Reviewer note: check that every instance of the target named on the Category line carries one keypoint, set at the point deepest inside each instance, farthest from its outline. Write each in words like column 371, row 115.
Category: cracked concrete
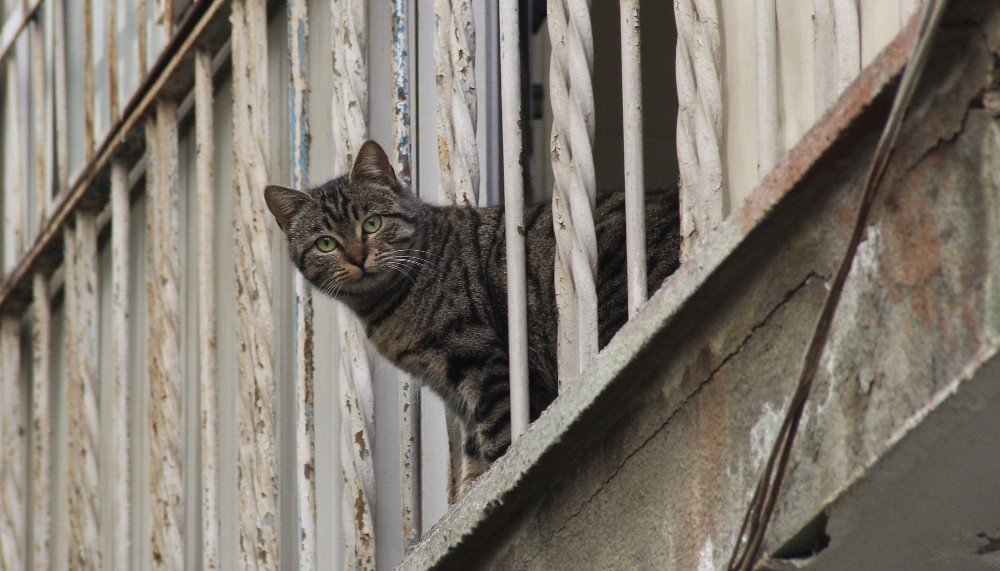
column 649, row 460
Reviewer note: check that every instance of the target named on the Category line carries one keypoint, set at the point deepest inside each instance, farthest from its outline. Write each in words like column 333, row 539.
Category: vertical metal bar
column 635, row 205
column 142, row 34
column 847, row 46
column 66, row 510
column 305, row 444
column 88, row 78
column 120, row 347
column 13, row 197
column 112, row 55
column 769, row 143
column 513, row 191
column 409, row 388
column 454, row 53
column 492, row 185
column 81, row 399
column 41, row 430
column 575, row 190
column 458, row 155
column 207, row 337
column 13, row 517
column 163, row 341
column 256, row 413
column 165, row 16
column 39, row 97
column 837, row 49
column 61, row 104
column 350, row 129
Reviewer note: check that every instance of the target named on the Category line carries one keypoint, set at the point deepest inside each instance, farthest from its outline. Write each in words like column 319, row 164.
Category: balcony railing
column 169, row 383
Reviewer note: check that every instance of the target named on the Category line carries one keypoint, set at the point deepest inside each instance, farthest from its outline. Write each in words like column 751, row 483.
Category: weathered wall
column 659, row 468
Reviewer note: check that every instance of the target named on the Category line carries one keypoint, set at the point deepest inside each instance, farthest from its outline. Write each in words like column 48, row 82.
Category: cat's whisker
column 401, row 272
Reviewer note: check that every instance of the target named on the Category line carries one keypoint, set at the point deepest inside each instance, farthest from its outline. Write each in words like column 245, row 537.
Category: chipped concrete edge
column 509, row 473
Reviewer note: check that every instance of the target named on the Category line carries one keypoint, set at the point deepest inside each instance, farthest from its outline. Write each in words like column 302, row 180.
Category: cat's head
column 355, row 235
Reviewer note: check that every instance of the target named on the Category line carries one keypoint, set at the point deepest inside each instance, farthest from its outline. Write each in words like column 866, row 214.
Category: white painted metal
column 699, row 117
column 163, row 285
column 84, row 504
column 769, row 142
column 256, row 413
column 13, row 450
column 837, row 49
column 350, row 121
column 40, row 99
column 409, row 388
column 635, row 206
column 61, row 96
column 88, row 80
column 142, row 38
column 41, row 423
column 305, row 451
column 120, row 512
column 111, row 57
column 458, row 154
column 204, row 118
column 457, row 105
column 575, row 190
column 513, row 188
column 14, row 177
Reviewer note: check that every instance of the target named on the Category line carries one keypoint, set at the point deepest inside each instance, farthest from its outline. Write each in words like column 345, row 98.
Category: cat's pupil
column 325, row 244
column 372, row 224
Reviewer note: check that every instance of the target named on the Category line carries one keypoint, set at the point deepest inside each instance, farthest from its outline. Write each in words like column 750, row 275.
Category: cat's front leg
column 490, row 430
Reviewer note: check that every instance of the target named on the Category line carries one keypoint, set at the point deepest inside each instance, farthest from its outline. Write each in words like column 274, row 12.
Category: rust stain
column 912, row 256
column 700, row 369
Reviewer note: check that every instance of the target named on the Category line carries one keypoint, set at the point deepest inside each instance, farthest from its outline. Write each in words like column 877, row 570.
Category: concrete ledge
column 651, row 456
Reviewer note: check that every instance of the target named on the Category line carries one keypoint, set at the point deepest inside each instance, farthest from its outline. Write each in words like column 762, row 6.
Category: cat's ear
column 284, row 202
column 373, row 164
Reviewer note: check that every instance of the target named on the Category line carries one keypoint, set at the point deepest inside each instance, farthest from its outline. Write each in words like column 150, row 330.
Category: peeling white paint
column 763, row 433
column 706, row 558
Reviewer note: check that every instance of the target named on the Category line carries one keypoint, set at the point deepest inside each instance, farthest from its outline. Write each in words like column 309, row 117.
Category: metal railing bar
column 40, row 98
column 256, row 412
column 61, row 115
column 88, row 79
column 575, row 185
column 41, row 424
column 142, row 35
column 349, row 22
column 513, row 189
column 120, row 348
column 163, row 342
column 13, row 451
column 635, row 205
column 769, row 140
column 207, row 336
column 13, row 231
column 409, row 388
column 112, row 57
column 81, row 401
column 304, row 405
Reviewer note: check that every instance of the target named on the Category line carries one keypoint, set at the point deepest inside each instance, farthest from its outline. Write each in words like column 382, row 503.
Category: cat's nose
column 356, row 255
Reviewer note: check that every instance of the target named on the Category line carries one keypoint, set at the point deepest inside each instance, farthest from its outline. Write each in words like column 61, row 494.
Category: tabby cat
column 429, row 283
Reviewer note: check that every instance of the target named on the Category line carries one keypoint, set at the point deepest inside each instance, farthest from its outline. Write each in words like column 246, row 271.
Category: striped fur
column 432, row 292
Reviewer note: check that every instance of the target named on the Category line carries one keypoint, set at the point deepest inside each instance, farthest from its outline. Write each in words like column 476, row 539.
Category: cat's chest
column 412, row 346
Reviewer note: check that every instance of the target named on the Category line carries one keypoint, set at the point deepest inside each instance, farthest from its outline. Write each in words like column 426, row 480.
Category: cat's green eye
column 371, row 224
column 326, row 244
